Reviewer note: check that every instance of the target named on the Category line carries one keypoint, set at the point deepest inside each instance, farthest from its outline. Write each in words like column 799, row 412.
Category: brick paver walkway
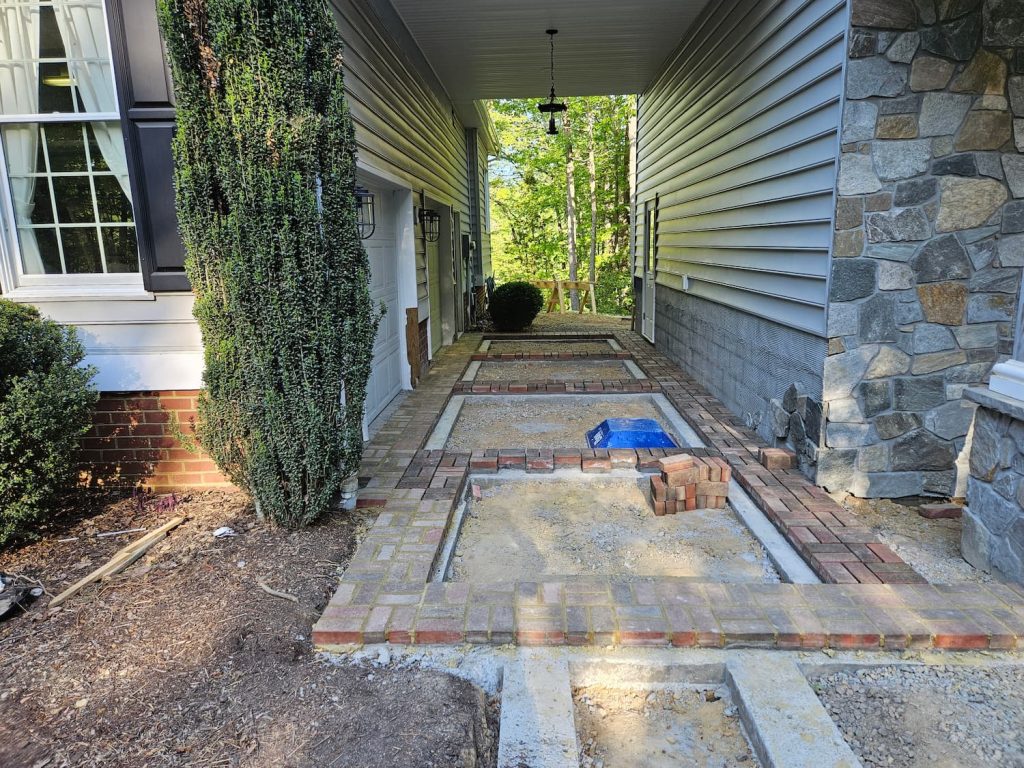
column 873, row 600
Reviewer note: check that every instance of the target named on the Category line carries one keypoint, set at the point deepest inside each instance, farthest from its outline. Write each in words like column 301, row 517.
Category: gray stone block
column 901, row 159
column 897, row 226
column 835, row 469
column 874, row 76
column 963, row 164
column 859, row 118
column 974, row 537
column 903, row 48
column 918, row 393
column 951, row 420
column 889, row 361
column 990, row 307
column 932, row 338
column 942, row 113
column 995, row 280
column 922, row 450
column 943, row 258
column 876, row 396
column 1013, row 167
column 977, row 336
column 915, row 192
column 857, row 175
column 878, row 319
column 957, row 39
column 993, row 510
column 1010, row 251
column 894, row 485
column 892, row 425
column 1004, row 22
column 1013, row 218
column 1015, row 85
column 852, row 279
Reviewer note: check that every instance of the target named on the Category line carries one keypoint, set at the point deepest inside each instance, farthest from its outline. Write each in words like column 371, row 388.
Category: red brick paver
column 873, row 599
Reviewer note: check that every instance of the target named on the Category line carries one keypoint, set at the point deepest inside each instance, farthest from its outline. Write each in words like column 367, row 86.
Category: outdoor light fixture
column 430, row 220
column 553, row 106
column 365, row 218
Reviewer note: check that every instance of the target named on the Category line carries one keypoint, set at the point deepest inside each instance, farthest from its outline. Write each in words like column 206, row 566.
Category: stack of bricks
column 687, row 483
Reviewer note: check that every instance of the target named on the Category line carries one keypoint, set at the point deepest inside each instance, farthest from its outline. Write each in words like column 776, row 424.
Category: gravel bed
column 917, row 716
column 932, row 547
column 543, row 370
column 545, row 346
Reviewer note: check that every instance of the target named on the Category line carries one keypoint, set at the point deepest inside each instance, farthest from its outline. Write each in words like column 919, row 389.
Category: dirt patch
column 929, row 716
column 540, row 421
column 522, row 529
column 184, row 661
column 542, row 370
column 548, row 346
column 659, row 729
column 932, row 547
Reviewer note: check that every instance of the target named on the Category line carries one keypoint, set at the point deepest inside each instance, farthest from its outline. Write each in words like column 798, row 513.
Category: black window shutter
column 147, row 115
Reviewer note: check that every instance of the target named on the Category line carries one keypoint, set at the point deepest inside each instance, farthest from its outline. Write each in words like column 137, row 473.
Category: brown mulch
column 182, row 660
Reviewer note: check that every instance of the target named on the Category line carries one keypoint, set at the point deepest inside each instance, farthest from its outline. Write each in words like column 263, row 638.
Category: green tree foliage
column 265, row 172
column 529, row 190
column 46, row 404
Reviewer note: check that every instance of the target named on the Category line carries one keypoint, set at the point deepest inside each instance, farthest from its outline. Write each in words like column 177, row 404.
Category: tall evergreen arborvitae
column 264, row 176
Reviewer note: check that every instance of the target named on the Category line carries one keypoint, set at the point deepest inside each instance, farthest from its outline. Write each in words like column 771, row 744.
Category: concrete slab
column 537, row 724
column 785, row 721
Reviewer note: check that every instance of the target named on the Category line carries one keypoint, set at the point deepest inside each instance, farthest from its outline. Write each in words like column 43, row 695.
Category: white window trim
column 14, row 283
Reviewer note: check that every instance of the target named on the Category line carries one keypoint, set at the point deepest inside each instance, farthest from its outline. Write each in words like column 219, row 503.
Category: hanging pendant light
column 553, row 106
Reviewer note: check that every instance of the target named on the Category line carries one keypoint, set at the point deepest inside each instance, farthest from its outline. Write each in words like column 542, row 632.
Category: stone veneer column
column 929, row 239
column 992, row 537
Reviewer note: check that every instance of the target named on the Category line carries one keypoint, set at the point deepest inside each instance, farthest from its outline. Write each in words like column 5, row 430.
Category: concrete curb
column 538, row 726
column 785, row 721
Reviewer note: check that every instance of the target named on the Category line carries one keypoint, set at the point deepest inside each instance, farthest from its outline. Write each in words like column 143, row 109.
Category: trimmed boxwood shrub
column 46, row 403
column 515, row 305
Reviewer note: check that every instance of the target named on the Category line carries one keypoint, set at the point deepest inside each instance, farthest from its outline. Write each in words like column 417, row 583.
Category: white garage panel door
column 386, row 376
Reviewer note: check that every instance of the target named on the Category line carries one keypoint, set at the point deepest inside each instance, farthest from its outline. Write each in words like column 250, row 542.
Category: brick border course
column 878, row 602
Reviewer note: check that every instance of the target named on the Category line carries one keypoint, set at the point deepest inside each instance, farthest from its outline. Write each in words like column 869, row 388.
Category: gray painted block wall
column 743, row 360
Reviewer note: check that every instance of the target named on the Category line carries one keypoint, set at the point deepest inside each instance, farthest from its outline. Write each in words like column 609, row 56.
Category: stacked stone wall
column 929, row 238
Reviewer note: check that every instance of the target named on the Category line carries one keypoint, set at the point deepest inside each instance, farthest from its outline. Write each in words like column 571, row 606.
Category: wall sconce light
column 366, row 218
column 430, row 220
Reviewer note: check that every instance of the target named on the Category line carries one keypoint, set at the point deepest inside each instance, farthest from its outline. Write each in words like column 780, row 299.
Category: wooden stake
column 121, row 560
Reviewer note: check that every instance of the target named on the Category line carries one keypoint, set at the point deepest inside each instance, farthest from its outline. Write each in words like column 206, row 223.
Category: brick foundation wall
column 135, row 441
column 424, row 348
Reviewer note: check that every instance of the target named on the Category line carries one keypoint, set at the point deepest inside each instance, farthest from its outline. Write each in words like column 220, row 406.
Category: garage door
column 386, row 376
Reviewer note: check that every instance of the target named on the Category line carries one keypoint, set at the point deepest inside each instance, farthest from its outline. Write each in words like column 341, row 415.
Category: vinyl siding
column 738, row 139
column 404, row 128
column 483, row 182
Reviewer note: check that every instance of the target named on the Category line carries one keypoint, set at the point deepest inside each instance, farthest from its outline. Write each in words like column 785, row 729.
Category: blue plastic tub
column 629, row 433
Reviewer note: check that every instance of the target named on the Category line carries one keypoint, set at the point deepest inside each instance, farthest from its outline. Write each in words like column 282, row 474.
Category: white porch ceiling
column 488, row 49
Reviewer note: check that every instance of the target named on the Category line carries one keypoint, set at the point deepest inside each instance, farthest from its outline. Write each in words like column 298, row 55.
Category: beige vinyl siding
column 738, row 140
column 403, row 127
column 485, row 217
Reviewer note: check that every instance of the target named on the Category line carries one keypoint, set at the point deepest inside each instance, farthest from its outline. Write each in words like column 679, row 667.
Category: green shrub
column 514, row 305
column 264, row 178
column 46, row 404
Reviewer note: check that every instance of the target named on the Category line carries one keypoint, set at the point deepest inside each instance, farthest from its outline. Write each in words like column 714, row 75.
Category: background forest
column 560, row 204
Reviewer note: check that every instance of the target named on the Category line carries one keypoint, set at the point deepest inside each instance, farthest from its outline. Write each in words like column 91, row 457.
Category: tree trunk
column 570, row 211
column 592, row 175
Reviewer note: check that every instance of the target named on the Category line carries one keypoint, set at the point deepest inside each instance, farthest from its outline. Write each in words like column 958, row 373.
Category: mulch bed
column 182, row 660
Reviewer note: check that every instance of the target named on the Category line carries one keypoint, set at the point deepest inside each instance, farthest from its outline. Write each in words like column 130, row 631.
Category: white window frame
column 17, row 285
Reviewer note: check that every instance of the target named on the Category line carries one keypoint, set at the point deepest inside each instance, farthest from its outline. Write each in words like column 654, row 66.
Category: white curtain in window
column 83, row 28
column 19, row 95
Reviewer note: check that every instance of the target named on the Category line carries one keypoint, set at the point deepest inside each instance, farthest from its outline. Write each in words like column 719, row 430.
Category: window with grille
column 68, row 208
